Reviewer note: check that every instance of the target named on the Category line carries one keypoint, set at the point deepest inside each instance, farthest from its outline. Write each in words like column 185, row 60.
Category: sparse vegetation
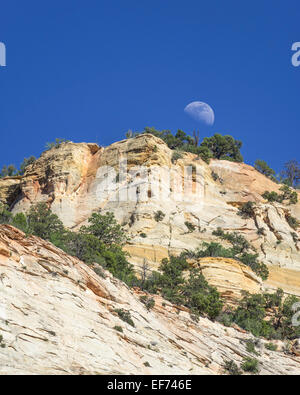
column 288, row 194
column 262, row 167
column 240, row 250
column 159, row 216
column 190, row 226
column 217, row 146
column 292, row 221
column 250, row 365
column 191, row 290
column 125, row 316
column 147, row 301
column 118, row 328
column 250, row 347
column 232, row 369
column 99, row 243
column 260, row 231
column 5, row 214
column 271, row 346
column 253, row 311
column 8, row 171
column 176, row 156
column 105, row 228
column 2, row 344
column 247, row 210
column 11, row 171
column 56, row 144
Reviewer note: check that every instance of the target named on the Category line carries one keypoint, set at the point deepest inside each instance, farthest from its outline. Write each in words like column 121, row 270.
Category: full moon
column 201, row 112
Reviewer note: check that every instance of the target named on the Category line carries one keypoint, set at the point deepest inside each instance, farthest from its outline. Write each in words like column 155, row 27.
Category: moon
column 201, row 112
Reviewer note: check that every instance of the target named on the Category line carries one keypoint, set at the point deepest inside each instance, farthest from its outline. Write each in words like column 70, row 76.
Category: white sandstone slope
column 57, row 317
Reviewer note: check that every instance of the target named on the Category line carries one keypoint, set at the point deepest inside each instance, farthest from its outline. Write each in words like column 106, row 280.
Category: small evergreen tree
column 262, row 167
column 105, row 228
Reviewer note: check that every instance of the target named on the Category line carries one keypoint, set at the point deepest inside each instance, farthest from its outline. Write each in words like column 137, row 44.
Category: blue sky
column 91, row 70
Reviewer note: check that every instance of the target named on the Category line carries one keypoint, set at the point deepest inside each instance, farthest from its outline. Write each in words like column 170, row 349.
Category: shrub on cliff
column 262, row 167
column 217, row 146
column 200, row 297
column 90, row 249
column 105, row 228
column 240, row 251
column 292, row 221
column 5, row 214
column 223, row 147
column 288, row 194
column 159, row 216
column 56, row 144
column 8, row 171
column 247, row 210
column 190, row 290
column 42, row 222
column 26, row 162
column 20, row 222
column 251, row 315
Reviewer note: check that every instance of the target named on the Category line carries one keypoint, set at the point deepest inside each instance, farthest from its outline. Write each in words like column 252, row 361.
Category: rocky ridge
column 71, row 177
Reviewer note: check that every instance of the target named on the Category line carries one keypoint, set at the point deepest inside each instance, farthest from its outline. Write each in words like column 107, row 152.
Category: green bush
column 87, row 244
column 118, row 328
column 232, row 368
column 223, row 147
column 159, row 216
column 105, row 228
column 148, row 302
column 176, row 156
column 251, row 315
column 190, row 226
column 263, row 168
column 239, row 251
column 250, row 365
column 5, row 214
column 56, row 144
column 125, row 316
column 271, row 346
column 26, row 162
column 191, row 290
column 292, row 221
column 8, row 171
column 42, row 222
column 272, row 196
column 250, row 347
column 288, row 194
column 239, row 243
column 247, row 210
column 200, row 297
column 20, row 222
column 217, row 146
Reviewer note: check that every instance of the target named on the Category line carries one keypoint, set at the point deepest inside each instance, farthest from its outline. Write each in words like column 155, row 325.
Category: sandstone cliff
column 71, row 179
column 57, row 316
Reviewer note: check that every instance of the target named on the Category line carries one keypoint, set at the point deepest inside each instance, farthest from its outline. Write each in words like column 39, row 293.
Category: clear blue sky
column 87, row 70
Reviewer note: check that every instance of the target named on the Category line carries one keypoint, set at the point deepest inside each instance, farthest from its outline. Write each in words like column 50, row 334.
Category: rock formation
column 73, row 180
column 57, row 316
